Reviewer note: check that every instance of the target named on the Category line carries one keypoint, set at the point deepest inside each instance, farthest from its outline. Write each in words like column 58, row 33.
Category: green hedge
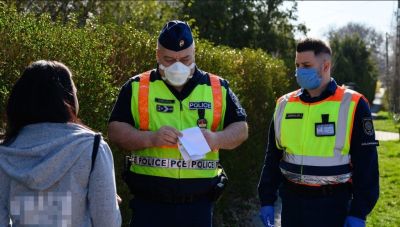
column 103, row 57
column 86, row 51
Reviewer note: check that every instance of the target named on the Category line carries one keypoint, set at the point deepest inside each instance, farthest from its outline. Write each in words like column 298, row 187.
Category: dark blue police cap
column 176, row 35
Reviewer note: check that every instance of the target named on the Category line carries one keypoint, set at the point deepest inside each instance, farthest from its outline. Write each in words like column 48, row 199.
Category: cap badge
column 181, row 43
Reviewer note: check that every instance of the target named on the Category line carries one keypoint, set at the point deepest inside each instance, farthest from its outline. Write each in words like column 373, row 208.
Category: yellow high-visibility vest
column 316, row 137
column 153, row 105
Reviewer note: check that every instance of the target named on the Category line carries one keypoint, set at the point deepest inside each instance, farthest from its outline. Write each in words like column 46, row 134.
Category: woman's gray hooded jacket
column 45, row 179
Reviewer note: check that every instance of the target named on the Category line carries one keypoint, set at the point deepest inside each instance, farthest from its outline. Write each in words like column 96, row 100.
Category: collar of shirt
column 330, row 90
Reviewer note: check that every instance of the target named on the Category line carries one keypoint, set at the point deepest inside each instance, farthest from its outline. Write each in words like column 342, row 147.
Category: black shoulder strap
column 95, row 149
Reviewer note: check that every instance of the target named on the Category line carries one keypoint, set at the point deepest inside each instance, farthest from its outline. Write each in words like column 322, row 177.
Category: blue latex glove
column 267, row 215
column 354, row 222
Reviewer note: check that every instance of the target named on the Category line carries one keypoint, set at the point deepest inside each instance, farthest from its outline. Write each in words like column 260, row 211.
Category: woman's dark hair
column 44, row 93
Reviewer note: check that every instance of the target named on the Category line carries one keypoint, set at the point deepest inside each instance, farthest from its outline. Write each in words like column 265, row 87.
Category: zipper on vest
column 180, row 128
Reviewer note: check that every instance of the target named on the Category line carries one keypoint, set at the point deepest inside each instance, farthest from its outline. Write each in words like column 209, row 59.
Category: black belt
column 171, row 198
column 323, row 190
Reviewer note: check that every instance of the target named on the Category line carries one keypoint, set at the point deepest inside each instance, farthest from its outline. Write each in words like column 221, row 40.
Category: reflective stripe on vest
column 167, row 161
column 217, row 96
column 174, row 163
column 314, row 180
column 339, row 155
column 144, row 101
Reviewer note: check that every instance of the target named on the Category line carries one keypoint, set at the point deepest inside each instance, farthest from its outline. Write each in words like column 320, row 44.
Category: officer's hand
column 211, row 138
column 354, row 222
column 165, row 136
column 267, row 216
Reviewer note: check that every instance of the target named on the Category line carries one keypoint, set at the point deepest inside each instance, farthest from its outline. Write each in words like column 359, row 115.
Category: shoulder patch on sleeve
column 368, row 126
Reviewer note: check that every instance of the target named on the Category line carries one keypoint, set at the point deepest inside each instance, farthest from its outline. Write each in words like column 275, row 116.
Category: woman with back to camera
column 53, row 171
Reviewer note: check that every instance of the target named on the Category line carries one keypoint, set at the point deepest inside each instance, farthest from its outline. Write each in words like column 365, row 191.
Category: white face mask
column 178, row 73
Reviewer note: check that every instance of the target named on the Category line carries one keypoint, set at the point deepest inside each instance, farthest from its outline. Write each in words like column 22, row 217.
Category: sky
column 319, row 16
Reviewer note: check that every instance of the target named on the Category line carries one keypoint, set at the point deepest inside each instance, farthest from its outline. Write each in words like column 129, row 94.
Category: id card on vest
column 325, row 129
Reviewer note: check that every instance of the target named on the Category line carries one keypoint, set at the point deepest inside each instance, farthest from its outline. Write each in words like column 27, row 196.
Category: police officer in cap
column 151, row 110
column 321, row 151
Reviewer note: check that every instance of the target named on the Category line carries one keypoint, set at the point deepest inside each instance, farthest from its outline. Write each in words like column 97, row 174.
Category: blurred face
column 321, row 63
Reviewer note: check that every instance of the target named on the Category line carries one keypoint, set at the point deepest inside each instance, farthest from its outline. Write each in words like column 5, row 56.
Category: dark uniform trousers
column 314, row 211
column 153, row 214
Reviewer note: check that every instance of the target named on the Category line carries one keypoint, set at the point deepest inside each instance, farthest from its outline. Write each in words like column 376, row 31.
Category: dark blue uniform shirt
column 364, row 160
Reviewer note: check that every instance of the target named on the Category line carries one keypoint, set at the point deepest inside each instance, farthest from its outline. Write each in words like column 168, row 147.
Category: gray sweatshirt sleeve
column 4, row 200
column 103, row 206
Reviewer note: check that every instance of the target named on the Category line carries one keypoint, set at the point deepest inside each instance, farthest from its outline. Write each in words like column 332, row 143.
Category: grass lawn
column 387, row 210
column 384, row 122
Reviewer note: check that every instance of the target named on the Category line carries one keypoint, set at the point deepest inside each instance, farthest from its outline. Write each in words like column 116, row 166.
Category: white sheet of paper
column 183, row 151
column 194, row 144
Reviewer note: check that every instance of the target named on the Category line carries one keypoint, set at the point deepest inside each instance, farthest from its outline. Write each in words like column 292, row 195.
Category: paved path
column 377, row 103
column 385, row 136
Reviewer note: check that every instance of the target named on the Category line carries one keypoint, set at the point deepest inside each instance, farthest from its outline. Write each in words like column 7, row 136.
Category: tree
column 63, row 10
column 149, row 16
column 353, row 64
column 372, row 39
column 144, row 15
column 247, row 23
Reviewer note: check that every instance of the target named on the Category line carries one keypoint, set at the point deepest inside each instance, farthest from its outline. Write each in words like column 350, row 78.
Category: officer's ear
column 326, row 63
column 326, row 66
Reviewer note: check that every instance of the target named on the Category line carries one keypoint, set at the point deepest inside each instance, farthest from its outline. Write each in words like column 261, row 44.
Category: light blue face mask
column 308, row 78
